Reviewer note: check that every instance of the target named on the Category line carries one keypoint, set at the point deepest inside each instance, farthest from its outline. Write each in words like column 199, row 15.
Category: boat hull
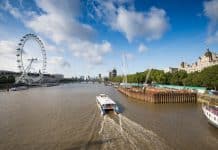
column 101, row 110
column 211, row 117
column 18, row 88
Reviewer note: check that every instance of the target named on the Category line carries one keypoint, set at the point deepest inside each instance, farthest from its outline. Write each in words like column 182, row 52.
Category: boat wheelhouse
column 105, row 104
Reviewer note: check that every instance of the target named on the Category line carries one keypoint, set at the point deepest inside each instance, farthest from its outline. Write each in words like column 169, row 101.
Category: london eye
column 25, row 68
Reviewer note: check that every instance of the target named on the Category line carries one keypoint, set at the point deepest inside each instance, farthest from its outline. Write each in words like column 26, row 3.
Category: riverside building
column 113, row 73
column 208, row 59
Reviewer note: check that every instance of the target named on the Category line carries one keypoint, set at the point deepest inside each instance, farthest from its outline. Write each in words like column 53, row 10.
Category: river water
column 67, row 117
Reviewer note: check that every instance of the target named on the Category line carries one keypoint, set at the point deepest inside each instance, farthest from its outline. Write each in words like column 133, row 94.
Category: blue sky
column 90, row 37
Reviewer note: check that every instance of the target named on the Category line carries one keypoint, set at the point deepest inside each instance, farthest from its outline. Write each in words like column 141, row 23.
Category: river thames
column 67, row 117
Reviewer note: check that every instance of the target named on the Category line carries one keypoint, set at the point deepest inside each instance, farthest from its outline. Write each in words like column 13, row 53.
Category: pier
column 160, row 96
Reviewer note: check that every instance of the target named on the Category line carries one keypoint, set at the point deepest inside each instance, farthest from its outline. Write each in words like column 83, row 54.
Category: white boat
column 211, row 112
column 19, row 88
column 105, row 104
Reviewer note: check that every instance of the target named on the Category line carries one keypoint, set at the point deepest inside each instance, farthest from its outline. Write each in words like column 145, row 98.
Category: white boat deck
column 105, row 103
column 105, row 100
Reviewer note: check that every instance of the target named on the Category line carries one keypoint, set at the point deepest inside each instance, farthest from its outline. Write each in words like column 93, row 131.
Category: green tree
column 178, row 77
column 3, row 79
column 11, row 79
column 207, row 77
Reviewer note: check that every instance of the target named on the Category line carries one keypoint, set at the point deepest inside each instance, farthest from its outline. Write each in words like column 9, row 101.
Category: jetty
column 160, row 96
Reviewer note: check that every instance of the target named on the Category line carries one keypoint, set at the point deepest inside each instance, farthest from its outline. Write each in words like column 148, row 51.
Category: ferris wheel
column 25, row 68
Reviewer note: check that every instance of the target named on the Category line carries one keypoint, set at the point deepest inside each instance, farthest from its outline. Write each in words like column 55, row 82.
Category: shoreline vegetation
column 6, row 82
column 206, row 78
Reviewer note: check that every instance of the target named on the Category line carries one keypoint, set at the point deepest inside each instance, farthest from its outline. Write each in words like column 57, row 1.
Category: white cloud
column 51, row 47
column 7, row 48
column 210, row 10
column 142, row 48
column 91, row 52
column 58, row 64
column 59, row 23
column 213, row 38
column 150, row 25
column 8, row 62
column 13, row 11
column 59, row 28
column 8, row 55
column 57, row 60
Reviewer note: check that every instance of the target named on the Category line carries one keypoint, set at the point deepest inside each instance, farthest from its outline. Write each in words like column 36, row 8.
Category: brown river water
column 67, row 117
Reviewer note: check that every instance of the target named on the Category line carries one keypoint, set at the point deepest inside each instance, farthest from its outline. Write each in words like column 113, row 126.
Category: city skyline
column 90, row 37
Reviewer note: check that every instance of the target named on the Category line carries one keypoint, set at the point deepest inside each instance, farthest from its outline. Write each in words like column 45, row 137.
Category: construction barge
column 160, row 96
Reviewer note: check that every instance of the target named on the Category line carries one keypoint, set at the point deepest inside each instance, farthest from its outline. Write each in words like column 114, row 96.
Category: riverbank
column 7, row 87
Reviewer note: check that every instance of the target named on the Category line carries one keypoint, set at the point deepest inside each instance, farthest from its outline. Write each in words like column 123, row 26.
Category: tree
column 168, row 77
column 178, row 77
column 207, row 77
column 3, row 79
column 11, row 79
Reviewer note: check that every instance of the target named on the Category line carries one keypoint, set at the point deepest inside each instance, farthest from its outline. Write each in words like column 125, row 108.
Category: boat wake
column 122, row 133
column 102, row 126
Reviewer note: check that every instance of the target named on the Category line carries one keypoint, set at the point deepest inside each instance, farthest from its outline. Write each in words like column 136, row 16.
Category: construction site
column 159, row 95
